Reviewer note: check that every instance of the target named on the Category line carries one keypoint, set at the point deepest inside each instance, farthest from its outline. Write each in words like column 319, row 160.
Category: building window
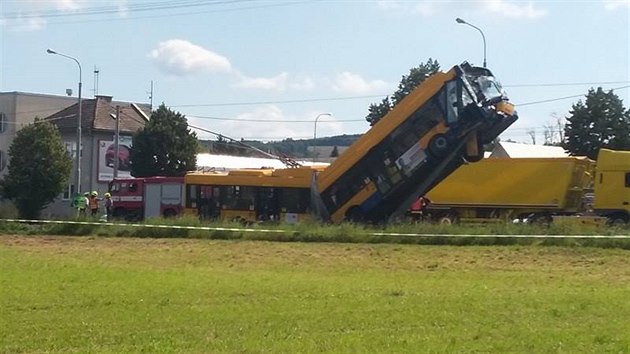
column 3, row 122
column 68, row 192
column 3, row 161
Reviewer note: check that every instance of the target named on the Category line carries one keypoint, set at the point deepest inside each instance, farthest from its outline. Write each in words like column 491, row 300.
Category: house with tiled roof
column 98, row 156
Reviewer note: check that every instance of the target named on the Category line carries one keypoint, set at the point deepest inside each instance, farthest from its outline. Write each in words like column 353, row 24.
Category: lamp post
column 78, row 154
column 315, row 133
column 459, row 20
column 117, row 142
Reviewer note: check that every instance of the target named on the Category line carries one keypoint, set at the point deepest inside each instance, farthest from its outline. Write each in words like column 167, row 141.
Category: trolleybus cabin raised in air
column 440, row 124
column 251, row 195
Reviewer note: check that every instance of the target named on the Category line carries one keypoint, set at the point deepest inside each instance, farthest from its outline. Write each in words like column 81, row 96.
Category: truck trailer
column 535, row 189
column 505, row 189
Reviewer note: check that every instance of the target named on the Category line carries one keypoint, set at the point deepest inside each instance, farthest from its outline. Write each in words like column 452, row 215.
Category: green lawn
column 96, row 294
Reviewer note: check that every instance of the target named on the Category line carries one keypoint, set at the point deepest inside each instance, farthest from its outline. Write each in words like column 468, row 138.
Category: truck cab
column 612, row 186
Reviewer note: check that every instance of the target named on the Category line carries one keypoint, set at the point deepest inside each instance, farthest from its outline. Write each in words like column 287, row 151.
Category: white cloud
column 270, row 122
column 30, row 20
column 264, row 122
column 180, row 57
column 511, row 10
column 278, row 82
column 351, row 83
column 68, row 5
column 302, row 84
column 21, row 24
column 615, row 4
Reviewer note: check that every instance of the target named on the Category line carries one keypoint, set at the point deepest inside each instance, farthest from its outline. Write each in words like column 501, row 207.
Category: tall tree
column 416, row 76
column 164, row 147
column 39, row 169
column 600, row 121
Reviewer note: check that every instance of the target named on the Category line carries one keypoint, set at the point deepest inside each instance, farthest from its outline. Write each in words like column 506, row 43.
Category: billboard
column 107, row 156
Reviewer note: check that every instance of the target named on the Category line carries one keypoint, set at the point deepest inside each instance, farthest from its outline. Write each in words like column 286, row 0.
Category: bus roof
column 287, row 177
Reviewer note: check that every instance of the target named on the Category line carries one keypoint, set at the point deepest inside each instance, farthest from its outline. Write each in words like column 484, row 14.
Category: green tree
column 600, row 121
column 416, row 76
column 164, row 147
column 39, row 169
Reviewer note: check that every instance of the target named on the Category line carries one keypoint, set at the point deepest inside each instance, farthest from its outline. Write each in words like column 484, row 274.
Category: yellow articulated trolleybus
column 441, row 124
column 250, row 195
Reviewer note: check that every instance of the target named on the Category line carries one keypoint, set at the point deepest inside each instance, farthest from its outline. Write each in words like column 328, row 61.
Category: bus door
column 267, row 204
column 207, row 202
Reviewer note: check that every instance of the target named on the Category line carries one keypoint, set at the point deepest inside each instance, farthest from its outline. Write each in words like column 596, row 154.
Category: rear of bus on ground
column 250, row 195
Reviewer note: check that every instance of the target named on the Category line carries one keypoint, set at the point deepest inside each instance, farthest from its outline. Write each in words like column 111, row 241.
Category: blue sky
column 265, row 69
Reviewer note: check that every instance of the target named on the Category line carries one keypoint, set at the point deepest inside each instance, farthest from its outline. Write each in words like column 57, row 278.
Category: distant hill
column 287, row 147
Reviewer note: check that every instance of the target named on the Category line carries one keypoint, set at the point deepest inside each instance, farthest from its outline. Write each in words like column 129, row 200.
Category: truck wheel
column 541, row 219
column 447, row 220
column 438, row 145
column 617, row 220
column 169, row 213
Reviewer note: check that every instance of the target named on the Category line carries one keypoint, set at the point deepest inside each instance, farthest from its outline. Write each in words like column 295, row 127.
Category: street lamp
column 459, row 20
column 315, row 133
column 78, row 156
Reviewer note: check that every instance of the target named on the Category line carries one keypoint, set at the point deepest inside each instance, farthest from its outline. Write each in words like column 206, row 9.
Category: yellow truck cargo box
column 554, row 184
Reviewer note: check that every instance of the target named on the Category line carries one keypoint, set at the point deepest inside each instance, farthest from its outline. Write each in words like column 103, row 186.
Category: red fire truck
column 141, row 198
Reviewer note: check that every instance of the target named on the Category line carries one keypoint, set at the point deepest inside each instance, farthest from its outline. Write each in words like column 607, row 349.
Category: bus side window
column 628, row 179
column 451, row 101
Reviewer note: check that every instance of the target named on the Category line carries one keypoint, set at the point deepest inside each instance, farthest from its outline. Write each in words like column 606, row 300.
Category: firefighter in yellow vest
column 93, row 203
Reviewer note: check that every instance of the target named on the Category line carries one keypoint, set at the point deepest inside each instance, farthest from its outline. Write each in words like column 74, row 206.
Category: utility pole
column 117, row 142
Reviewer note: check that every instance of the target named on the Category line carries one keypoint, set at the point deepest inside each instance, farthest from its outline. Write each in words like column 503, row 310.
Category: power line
column 174, row 14
column 272, row 120
column 569, row 84
column 104, row 10
column 344, row 98
column 252, row 103
column 563, row 98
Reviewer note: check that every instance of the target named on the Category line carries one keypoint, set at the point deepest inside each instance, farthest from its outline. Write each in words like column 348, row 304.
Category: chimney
column 107, row 99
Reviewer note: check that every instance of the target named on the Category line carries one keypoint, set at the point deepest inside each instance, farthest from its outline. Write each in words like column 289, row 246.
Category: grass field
column 121, row 295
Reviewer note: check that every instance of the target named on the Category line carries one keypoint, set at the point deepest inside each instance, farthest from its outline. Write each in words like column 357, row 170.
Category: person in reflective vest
column 80, row 202
column 93, row 202
column 108, row 205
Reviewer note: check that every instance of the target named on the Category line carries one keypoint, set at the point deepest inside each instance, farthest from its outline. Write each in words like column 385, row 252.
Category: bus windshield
column 485, row 86
column 490, row 89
